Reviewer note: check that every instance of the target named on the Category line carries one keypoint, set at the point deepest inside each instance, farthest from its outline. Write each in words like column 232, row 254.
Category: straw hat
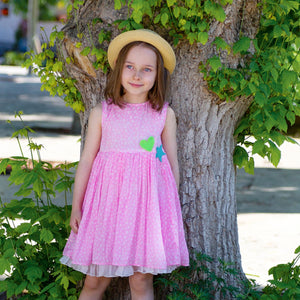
column 143, row 35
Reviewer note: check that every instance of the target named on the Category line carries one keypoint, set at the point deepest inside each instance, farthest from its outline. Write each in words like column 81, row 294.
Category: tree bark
column 205, row 129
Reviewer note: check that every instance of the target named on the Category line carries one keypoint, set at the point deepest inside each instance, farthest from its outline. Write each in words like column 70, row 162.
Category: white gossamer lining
column 113, row 271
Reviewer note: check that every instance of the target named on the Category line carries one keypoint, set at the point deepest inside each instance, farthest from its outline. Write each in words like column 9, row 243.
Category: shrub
column 34, row 230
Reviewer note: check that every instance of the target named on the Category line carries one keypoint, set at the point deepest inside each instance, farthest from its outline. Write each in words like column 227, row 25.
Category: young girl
column 126, row 217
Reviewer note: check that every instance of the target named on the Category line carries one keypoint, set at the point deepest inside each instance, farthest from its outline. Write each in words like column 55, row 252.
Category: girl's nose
column 137, row 75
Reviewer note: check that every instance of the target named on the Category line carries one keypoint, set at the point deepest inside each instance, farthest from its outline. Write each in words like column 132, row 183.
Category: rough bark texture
column 205, row 129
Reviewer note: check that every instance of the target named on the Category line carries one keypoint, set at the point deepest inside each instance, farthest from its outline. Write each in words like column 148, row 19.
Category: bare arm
column 88, row 155
column 169, row 142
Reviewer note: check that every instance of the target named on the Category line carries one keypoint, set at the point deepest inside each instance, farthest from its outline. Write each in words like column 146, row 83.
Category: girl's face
column 139, row 74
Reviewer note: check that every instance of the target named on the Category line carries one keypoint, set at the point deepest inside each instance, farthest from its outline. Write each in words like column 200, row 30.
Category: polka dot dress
column 131, row 215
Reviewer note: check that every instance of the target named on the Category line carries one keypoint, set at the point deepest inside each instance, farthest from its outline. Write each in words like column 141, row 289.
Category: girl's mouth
column 135, row 85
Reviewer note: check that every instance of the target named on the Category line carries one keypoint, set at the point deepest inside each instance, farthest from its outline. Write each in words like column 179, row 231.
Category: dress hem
column 113, row 270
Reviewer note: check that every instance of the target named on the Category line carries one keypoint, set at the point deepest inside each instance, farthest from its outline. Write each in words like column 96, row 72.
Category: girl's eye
column 147, row 70
column 130, row 67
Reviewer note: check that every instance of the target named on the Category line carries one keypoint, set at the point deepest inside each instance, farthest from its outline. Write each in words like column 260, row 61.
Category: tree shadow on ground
column 269, row 190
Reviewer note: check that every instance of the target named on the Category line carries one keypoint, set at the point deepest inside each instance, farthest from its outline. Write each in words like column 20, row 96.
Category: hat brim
column 146, row 36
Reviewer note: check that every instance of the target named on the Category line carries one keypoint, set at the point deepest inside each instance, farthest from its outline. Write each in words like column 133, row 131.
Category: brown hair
column 114, row 90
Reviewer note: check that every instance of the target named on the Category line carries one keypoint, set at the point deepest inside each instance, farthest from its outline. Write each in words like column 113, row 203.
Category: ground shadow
column 269, row 190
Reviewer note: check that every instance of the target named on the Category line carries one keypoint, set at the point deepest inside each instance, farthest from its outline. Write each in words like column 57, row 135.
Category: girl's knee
column 96, row 283
column 140, row 281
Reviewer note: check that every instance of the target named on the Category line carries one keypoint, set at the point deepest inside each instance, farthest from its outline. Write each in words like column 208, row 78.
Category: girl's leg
column 94, row 288
column 141, row 286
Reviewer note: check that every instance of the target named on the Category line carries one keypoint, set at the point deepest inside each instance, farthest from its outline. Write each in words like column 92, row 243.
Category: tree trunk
column 205, row 130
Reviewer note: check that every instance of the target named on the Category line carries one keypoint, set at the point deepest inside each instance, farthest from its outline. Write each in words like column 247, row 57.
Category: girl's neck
column 132, row 100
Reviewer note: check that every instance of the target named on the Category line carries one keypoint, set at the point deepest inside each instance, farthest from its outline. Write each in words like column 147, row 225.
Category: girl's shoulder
column 96, row 113
column 170, row 112
column 98, row 107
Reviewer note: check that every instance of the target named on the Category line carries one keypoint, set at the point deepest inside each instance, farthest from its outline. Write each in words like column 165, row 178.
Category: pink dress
column 131, row 215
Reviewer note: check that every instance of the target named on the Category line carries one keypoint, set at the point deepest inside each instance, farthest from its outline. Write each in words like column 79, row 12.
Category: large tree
column 236, row 75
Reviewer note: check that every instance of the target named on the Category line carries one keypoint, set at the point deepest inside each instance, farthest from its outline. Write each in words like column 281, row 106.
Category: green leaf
column 208, row 7
column 277, row 31
column 33, row 273
column 46, row 235
column 176, row 12
column 33, row 288
column 157, row 19
column 171, row 2
column 86, row 51
column 203, row 37
column 118, row 4
column 221, row 44
column 288, row 78
column 260, row 99
column 215, row 63
column 275, row 154
column 164, row 19
column 241, row 45
column 4, row 265
column 65, row 282
column 259, row 148
column 22, row 286
column 249, row 167
column 23, row 228
column 274, row 74
column 219, row 13
column 291, row 117
column 202, row 26
column 240, row 156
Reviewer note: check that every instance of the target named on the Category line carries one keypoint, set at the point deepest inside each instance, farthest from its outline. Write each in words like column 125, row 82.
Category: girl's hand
column 75, row 220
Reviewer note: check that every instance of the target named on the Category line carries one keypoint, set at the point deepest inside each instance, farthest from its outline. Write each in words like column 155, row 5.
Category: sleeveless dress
column 131, row 215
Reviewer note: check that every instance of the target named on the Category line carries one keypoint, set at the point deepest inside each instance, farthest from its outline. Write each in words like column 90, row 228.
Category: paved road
column 268, row 202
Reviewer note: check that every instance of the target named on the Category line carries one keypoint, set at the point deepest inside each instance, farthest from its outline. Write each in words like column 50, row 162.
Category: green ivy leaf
column 208, row 7
column 215, row 63
column 202, row 26
column 203, row 37
column 157, row 19
column 118, row 4
column 277, row 31
column 219, row 13
column 86, row 51
column 288, row 78
column 260, row 99
column 164, row 19
column 137, row 16
column 241, row 45
column 221, row 44
column 171, row 2
column 176, row 12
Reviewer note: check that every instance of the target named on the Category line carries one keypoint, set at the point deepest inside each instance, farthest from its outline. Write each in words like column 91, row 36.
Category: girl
column 126, row 218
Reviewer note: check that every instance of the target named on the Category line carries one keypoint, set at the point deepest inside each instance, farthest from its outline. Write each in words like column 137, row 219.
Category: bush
column 13, row 58
column 33, row 230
